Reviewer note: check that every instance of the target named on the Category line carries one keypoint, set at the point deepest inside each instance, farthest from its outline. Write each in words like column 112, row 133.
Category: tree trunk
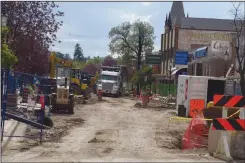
column 242, row 83
column 139, row 62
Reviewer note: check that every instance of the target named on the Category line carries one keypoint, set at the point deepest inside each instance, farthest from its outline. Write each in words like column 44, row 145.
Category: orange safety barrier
column 196, row 135
column 196, row 105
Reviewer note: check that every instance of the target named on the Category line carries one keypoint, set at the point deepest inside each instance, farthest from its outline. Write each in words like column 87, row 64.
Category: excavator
column 82, row 82
column 62, row 100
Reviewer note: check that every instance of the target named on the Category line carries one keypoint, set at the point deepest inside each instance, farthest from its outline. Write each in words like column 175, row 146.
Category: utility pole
column 139, row 62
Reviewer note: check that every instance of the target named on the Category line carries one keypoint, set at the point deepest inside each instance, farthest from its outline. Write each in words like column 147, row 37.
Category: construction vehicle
column 62, row 100
column 82, row 82
column 113, row 80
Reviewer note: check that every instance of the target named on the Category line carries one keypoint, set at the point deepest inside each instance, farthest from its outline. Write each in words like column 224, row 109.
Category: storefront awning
column 180, row 70
column 177, row 70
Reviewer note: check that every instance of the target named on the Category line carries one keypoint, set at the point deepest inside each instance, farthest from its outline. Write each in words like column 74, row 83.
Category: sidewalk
column 10, row 127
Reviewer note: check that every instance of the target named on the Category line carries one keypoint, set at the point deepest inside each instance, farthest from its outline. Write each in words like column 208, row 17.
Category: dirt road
column 111, row 130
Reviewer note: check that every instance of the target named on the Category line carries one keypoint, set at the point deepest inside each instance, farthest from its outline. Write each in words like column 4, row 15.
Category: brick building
column 188, row 34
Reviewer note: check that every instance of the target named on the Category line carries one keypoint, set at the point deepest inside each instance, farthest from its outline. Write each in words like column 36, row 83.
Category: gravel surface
column 110, row 130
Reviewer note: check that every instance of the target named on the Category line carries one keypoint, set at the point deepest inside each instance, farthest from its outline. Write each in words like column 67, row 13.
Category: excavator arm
column 57, row 61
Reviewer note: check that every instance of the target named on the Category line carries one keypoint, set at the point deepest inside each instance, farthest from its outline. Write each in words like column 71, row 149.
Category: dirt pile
column 138, row 105
column 170, row 139
column 61, row 128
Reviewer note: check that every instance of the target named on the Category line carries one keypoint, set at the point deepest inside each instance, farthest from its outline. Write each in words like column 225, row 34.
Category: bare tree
column 239, row 25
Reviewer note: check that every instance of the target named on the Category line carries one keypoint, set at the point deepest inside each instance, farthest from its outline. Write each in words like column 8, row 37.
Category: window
column 109, row 77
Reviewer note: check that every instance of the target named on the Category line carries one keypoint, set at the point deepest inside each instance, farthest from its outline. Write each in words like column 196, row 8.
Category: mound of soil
column 62, row 127
column 138, row 105
column 170, row 139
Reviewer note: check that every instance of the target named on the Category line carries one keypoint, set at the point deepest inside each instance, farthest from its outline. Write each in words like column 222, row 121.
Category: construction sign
column 229, row 101
column 196, row 105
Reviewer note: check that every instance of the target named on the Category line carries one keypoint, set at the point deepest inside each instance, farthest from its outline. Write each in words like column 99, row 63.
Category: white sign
column 220, row 46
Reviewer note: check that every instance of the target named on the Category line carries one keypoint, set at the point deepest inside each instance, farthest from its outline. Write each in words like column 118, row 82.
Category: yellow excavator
column 81, row 83
column 62, row 100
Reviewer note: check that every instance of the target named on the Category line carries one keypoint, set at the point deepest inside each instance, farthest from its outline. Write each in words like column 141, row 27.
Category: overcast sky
column 88, row 23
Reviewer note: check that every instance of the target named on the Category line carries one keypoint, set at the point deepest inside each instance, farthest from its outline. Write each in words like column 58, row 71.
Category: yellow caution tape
column 234, row 114
column 183, row 118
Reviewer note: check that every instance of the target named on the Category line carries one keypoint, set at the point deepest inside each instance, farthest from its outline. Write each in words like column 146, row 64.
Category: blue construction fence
column 18, row 80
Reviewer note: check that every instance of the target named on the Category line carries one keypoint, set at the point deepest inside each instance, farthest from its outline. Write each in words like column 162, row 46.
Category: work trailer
column 201, row 88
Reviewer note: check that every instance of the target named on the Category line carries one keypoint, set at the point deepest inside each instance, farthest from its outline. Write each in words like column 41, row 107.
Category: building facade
column 184, row 35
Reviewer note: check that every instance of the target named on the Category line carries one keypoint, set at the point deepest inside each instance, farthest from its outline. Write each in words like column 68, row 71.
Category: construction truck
column 113, row 80
column 62, row 100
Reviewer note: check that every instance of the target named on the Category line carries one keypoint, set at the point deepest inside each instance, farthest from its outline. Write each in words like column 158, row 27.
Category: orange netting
column 196, row 135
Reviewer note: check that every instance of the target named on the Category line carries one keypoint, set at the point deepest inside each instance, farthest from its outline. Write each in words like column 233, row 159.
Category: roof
column 177, row 12
column 207, row 24
column 112, row 73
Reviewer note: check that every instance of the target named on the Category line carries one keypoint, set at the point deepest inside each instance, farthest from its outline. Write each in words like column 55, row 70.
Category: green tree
column 78, row 53
column 62, row 55
column 132, row 39
column 8, row 59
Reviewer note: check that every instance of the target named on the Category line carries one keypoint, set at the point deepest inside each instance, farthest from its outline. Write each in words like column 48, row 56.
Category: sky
column 88, row 23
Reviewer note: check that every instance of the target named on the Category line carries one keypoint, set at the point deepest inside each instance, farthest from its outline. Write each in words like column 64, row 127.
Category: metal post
column 169, row 79
column 5, row 93
column 226, row 57
column 225, row 70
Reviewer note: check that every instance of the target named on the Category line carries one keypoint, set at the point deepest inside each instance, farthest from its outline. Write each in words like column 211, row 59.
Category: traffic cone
column 100, row 95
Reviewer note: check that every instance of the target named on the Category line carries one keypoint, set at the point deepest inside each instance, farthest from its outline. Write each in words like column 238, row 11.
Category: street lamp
column 170, row 67
column 4, row 20
column 226, row 58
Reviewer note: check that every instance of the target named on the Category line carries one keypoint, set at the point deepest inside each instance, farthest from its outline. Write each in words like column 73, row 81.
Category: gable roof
column 207, row 24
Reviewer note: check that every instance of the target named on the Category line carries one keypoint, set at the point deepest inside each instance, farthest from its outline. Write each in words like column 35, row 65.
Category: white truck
column 197, row 87
column 113, row 80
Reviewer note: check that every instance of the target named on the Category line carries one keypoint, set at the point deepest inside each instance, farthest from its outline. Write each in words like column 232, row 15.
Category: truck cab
column 112, row 80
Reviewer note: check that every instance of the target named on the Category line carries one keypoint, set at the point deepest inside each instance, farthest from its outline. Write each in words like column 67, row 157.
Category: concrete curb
column 10, row 134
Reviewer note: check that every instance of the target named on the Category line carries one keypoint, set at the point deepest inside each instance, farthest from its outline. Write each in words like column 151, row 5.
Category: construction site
column 183, row 103
column 44, row 126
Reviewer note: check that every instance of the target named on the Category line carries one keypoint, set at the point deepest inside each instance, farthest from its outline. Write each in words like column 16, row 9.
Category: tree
column 61, row 55
column 239, row 24
column 109, row 61
column 8, row 59
column 132, row 39
column 67, row 56
column 90, row 69
column 78, row 53
column 32, row 26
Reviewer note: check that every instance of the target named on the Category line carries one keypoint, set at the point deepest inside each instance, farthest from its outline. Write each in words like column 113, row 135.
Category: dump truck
column 113, row 80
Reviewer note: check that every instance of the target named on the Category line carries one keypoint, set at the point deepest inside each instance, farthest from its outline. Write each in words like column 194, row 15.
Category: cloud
column 127, row 15
column 157, row 47
column 71, row 40
column 54, row 49
column 146, row 3
column 133, row 17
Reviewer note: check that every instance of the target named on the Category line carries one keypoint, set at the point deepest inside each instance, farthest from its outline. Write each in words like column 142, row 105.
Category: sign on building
column 189, row 37
column 220, row 46
column 153, row 59
column 181, row 58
